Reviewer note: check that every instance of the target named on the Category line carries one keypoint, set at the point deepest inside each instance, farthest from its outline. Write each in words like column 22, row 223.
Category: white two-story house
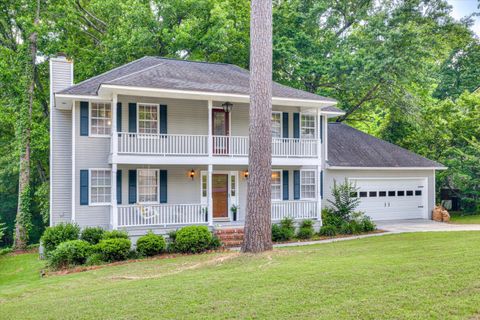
column 161, row 143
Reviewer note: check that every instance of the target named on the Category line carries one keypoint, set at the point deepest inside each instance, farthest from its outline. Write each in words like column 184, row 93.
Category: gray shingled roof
column 162, row 73
column 349, row 147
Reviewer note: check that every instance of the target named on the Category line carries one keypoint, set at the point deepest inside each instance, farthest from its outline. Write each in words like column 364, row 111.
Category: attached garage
column 386, row 199
column 392, row 182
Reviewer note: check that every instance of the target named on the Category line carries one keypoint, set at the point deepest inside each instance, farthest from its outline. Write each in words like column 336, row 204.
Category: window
column 204, row 185
column 418, row 192
column 363, row 194
column 147, row 185
column 308, row 126
column 382, row 194
column 307, row 184
column 101, row 118
column 276, row 185
column 353, row 194
column 400, row 193
column 233, row 185
column 100, row 186
column 409, row 193
column 391, row 193
column 372, row 194
column 147, row 118
column 276, row 124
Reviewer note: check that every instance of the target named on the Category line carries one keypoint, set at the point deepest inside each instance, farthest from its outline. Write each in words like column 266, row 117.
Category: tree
column 258, row 218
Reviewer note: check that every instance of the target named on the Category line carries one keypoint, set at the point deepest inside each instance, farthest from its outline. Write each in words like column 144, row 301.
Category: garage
column 387, row 199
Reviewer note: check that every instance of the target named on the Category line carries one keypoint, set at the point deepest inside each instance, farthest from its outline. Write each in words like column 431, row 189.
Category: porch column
column 210, row 122
column 114, row 128
column 319, row 134
column 209, row 195
column 319, row 165
column 113, row 182
column 318, row 197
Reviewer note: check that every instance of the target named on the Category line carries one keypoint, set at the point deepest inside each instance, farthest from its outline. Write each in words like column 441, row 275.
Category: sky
column 462, row 8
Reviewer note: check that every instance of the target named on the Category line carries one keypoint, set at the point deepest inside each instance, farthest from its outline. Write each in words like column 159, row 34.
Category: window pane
column 307, row 184
column 276, row 125
column 101, row 118
column 391, row 193
column 147, row 185
column 418, row 192
column 100, row 188
column 382, row 194
column 147, row 118
column 363, row 194
column 276, row 186
column 400, row 193
column 372, row 194
column 409, row 192
column 308, row 126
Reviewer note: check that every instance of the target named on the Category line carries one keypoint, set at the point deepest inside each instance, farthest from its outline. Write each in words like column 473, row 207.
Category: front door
column 220, row 131
column 220, row 195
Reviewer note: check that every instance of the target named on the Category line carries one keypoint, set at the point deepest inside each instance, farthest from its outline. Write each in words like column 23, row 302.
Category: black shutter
column 119, row 117
column 132, row 117
column 132, row 186
column 285, row 184
column 84, row 118
column 296, row 185
column 163, row 186
column 321, row 184
column 83, row 187
column 296, row 125
column 163, row 119
column 119, row 187
column 321, row 128
column 285, row 124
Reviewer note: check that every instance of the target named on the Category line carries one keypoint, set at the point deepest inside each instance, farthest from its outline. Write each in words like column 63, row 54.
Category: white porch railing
column 296, row 209
column 232, row 146
column 162, row 144
column 161, row 215
column 291, row 147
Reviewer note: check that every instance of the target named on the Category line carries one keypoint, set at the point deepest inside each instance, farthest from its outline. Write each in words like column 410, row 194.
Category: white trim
column 52, row 106
column 315, row 133
column 99, row 204
column 157, row 105
column 79, row 97
column 231, row 200
column 158, row 186
column 280, row 173
column 90, row 134
column 385, row 168
column 281, row 122
column 316, row 184
column 205, row 95
column 74, row 184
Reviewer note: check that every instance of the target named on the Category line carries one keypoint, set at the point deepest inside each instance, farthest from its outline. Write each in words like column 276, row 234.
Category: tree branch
column 365, row 98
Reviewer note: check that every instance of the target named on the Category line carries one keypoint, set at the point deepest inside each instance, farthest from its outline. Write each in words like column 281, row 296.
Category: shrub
column 5, row 251
column 115, row 234
column 283, row 232
column 328, row 231
column 150, row 244
column 346, row 228
column 115, row 249
column 352, row 227
column 306, row 230
column 92, row 235
column 215, row 243
column 343, row 202
column 193, row 239
column 367, row 224
column 94, row 259
column 55, row 235
column 329, row 218
column 70, row 253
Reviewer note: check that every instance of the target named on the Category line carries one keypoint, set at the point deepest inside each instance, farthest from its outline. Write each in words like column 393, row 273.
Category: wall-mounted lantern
column 227, row 106
column 191, row 174
column 246, row 174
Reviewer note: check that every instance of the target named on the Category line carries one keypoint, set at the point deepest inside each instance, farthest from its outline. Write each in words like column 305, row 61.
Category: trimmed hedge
column 92, row 235
column 306, row 230
column 328, row 231
column 115, row 249
column 151, row 244
column 70, row 253
column 55, row 235
column 193, row 239
column 283, row 232
column 115, row 234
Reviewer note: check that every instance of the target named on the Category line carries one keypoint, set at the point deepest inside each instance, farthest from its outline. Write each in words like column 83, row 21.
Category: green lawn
column 458, row 217
column 414, row 276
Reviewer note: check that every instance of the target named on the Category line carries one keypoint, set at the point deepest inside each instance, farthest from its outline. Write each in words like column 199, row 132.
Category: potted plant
column 234, row 210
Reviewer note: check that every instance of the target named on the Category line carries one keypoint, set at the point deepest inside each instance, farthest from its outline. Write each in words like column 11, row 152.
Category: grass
column 406, row 276
column 461, row 218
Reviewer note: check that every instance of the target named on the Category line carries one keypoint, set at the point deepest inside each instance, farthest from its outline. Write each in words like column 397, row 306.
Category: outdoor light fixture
column 191, row 174
column 245, row 174
column 227, row 106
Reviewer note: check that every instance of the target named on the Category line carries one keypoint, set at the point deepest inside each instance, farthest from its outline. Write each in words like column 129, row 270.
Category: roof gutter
column 385, row 168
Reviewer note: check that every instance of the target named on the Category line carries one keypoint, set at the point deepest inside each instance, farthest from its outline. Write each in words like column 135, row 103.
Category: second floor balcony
column 201, row 145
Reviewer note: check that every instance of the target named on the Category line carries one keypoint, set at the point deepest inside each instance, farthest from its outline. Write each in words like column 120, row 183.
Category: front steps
column 230, row 237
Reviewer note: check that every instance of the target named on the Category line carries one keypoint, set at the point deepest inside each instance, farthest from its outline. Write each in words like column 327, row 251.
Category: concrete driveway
column 421, row 225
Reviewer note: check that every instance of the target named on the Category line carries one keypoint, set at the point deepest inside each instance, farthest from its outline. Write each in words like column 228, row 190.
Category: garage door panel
column 394, row 204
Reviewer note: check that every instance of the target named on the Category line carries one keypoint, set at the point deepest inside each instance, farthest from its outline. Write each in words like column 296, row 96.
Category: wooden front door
column 220, row 195
column 220, row 130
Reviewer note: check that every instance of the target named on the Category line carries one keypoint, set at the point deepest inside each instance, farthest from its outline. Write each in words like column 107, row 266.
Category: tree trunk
column 258, row 218
column 25, row 123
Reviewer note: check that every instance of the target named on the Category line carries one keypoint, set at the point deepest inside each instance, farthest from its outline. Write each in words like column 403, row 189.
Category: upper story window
column 101, row 118
column 276, row 186
column 307, row 184
column 100, row 186
column 147, row 118
column 147, row 185
column 276, row 124
column 308, row 126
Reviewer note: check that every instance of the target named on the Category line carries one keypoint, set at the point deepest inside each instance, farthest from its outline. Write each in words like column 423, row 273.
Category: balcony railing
column 193, row 214
column 197, row 145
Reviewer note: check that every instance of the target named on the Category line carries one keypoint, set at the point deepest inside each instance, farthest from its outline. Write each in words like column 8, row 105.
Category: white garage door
column 384, row 199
